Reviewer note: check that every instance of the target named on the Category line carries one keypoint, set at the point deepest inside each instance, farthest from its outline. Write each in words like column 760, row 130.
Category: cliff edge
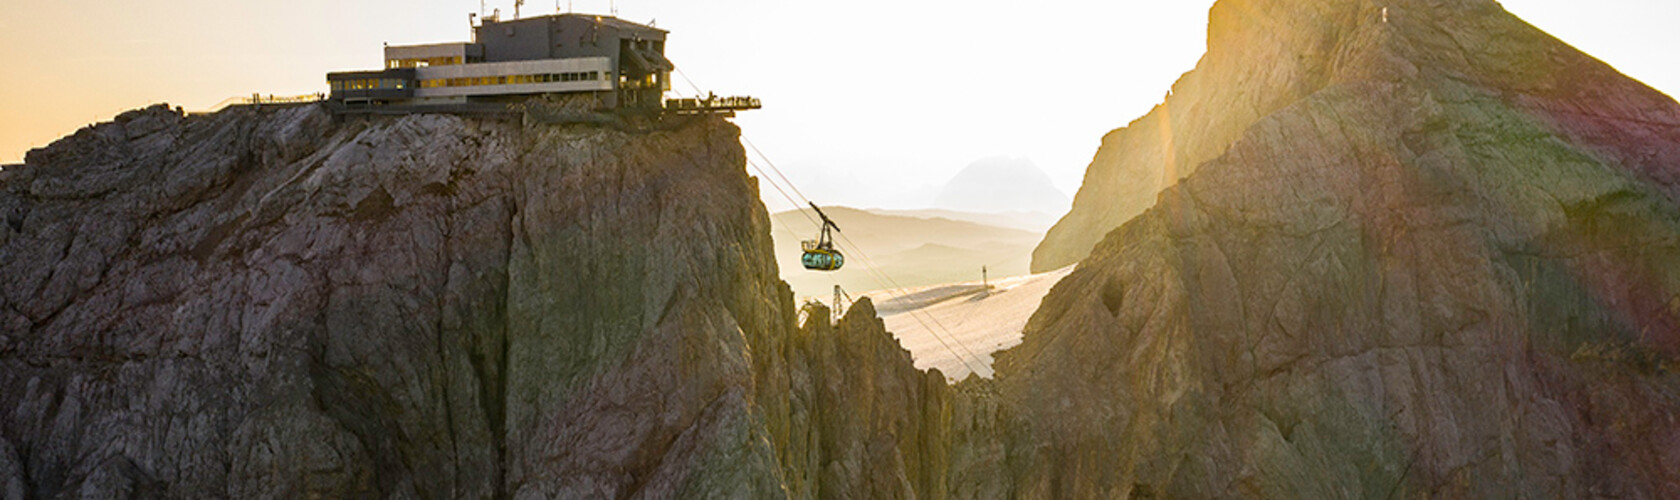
column 279, row 303
column 1425, row 250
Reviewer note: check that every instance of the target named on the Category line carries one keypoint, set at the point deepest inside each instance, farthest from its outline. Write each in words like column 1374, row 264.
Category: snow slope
column 972, row 321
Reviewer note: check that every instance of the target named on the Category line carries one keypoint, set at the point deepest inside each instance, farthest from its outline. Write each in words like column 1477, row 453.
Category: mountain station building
column 617, row 63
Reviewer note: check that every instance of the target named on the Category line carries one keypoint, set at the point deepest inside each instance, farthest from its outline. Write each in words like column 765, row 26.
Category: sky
column 869, row 103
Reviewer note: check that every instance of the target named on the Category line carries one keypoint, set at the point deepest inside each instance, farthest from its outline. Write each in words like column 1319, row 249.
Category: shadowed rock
column 1434, row 256
column 278, row 303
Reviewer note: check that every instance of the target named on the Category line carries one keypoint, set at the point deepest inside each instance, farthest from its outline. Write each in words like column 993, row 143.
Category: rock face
column 1432, row 255
column 1437, row 255
column 859, row 421
column 278, row 303
column 1257, row 62
column 1260, row 60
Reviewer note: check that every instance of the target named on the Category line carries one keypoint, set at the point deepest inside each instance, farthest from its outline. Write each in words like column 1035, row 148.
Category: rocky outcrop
column 857, row 420
column 1431, row 252
column 281, row 303
column 1262, row 57
column 1259, row 59
column 1436, row 254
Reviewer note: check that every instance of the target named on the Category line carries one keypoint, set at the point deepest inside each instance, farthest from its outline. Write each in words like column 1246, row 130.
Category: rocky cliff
column 1261, row 59
column 1422, row 252
column 280, row 303
column 1427, row 252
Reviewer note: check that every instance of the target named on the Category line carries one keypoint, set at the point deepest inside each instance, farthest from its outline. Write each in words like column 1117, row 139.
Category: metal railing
column 712, row 104
column 260, row 99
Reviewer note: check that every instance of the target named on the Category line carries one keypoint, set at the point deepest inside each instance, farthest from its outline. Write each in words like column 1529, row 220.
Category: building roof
column 619, row 23
column 604, row 20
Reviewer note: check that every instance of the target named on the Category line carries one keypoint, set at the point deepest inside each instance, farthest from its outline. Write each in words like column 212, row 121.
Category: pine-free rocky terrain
column 1437, row 255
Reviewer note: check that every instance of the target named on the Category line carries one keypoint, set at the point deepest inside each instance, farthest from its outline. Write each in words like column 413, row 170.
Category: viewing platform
column 711, row 105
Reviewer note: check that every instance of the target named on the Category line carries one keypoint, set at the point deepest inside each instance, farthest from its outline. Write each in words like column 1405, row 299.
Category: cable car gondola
column 820, row 254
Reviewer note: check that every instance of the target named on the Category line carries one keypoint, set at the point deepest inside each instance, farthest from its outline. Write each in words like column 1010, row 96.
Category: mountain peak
column 1264, row 56
column 1002, row 184
column 1432, row 256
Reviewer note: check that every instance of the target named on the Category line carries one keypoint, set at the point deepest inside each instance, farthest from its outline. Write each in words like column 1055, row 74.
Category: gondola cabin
column 821, row 259
column 820, row 254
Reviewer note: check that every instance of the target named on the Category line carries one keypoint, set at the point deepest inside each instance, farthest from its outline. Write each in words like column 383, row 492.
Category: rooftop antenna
column 481, row 8
column 516, row 5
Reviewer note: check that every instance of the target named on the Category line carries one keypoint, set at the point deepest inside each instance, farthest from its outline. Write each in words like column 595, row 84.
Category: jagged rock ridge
column 280, row 303
column 1259, row 62
column 1433, row 256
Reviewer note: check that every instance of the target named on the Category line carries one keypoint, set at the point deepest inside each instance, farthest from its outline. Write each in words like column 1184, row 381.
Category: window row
column 422, row 62
column 581, row 76
column 370, row 84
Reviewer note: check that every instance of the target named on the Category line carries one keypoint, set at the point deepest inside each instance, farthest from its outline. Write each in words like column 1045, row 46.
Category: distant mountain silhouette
column 1003, row 184
column 1037, row 222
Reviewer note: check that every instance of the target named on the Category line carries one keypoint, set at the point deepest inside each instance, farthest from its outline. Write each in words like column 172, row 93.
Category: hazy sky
column 867, row 103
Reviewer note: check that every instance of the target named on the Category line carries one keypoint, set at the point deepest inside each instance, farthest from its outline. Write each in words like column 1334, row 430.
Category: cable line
column 878, row 275
column 888, row 285
column 869, row 263
column 773, row 167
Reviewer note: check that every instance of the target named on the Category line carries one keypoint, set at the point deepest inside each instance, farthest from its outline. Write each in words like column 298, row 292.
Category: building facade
column 617, row 63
